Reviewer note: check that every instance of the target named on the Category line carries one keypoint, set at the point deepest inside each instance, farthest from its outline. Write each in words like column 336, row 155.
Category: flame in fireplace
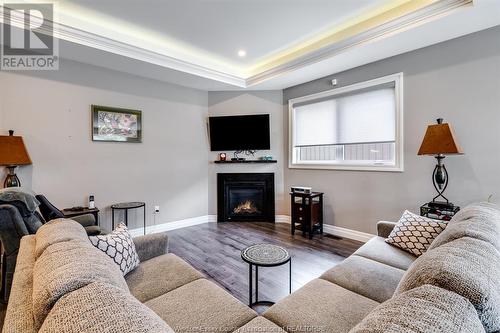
column 246, row 207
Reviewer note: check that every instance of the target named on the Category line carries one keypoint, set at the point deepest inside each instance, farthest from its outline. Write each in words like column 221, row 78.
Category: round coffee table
column 264, row 255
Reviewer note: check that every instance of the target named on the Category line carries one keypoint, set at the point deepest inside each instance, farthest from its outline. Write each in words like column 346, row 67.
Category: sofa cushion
column 160, row 275
column 377, row 249
column 56, row 231
column 100, row 307
column 423, row 309
column 201, row 306
column 366, row 277
column 466, row 266
column 19, row 316
column 260, row 325
column 67, row 266
column 320, row 306
column 480, row 221
column 414, row 233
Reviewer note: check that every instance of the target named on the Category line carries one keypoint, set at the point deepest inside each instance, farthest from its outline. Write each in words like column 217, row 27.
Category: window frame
column 361, row 166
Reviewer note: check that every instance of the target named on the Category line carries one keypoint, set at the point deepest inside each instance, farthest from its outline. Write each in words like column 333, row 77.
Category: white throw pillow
column 119, row 246
column 414, row 233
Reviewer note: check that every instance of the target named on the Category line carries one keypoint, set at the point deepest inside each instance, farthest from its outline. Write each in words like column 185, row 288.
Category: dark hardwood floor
column 214, row 249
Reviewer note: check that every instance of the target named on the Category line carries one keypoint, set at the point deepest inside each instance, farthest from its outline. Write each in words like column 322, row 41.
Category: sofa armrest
column 384, row 228
column 85, row 220
column 152, row 245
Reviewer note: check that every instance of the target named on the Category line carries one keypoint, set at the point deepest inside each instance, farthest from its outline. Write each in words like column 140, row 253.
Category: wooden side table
column 69, row 213
column 307, row 212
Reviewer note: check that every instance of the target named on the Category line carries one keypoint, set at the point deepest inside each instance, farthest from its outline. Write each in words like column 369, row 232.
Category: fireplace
column 245, row 197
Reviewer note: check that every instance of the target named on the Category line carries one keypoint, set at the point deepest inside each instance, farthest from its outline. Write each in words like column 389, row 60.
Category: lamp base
column 11, row 180
column 441, row 205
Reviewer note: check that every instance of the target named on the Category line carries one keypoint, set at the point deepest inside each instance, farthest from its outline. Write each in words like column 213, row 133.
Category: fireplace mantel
column 245, row 197
column 246, row 161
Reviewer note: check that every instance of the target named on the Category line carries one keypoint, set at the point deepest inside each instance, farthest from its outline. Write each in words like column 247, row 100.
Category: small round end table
column 264, row 255
column 126, row 206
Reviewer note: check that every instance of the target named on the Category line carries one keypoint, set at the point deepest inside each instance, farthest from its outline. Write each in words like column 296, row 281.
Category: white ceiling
column 195, row 42
column 220, row 28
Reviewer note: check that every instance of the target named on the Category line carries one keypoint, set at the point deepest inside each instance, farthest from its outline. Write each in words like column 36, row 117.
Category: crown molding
column 384, row 30
column 78, row 36
column 82, row 37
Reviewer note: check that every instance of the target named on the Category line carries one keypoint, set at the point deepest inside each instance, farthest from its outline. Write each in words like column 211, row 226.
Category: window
column 358, row 127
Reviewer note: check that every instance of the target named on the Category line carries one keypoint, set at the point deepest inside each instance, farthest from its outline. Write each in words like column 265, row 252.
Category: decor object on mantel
column 222, row 156
column 439, row 140
column 13, row 153
column 115, row 124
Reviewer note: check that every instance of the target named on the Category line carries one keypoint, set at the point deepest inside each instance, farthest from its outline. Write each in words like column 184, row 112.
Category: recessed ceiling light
column 242, row 53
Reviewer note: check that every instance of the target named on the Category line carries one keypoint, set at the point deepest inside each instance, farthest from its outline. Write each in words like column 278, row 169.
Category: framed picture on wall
column 115, row 124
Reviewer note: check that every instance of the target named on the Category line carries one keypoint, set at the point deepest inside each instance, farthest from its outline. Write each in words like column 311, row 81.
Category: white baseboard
column 347, row 233
column 174, row 225
column 336, row 231
column 329, row 229
column 282, row 219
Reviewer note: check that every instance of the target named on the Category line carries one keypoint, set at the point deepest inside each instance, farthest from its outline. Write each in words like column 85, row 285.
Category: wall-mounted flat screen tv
column 239, row 132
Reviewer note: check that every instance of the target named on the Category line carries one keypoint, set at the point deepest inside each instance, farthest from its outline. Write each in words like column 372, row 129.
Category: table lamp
column 12, row 154
column 439, row 140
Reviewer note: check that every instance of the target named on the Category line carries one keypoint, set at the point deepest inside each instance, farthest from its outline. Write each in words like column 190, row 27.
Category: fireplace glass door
column 245, row 202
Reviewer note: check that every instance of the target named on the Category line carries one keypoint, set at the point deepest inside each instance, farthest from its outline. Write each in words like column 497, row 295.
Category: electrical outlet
column 157, row 209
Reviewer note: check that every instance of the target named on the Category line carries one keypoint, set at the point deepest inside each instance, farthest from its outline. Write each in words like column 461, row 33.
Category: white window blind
column 316, row 123
column 357, row 126
column 366, row 117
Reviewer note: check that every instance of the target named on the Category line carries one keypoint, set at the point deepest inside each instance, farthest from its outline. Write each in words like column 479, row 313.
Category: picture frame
column 110, row 124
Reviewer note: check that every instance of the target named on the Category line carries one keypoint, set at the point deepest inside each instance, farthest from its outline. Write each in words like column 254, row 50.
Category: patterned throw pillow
column 414, row 233
column 119, row 246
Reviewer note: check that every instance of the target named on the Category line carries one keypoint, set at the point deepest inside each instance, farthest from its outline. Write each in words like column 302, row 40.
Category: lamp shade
column 13, row 151
column 439, row 139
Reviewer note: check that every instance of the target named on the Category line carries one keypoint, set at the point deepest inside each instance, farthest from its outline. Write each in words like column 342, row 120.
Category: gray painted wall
column 458, row 80
column 251, row 102
column 51, row 110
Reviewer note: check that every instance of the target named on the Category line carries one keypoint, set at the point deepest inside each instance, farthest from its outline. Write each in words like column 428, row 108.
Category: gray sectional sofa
column 63, row 284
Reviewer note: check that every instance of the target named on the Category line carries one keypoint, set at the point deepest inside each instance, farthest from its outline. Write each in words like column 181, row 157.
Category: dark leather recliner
column 19, row 217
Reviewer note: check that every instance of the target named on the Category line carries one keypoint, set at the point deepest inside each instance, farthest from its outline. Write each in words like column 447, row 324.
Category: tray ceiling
column 196, row 42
